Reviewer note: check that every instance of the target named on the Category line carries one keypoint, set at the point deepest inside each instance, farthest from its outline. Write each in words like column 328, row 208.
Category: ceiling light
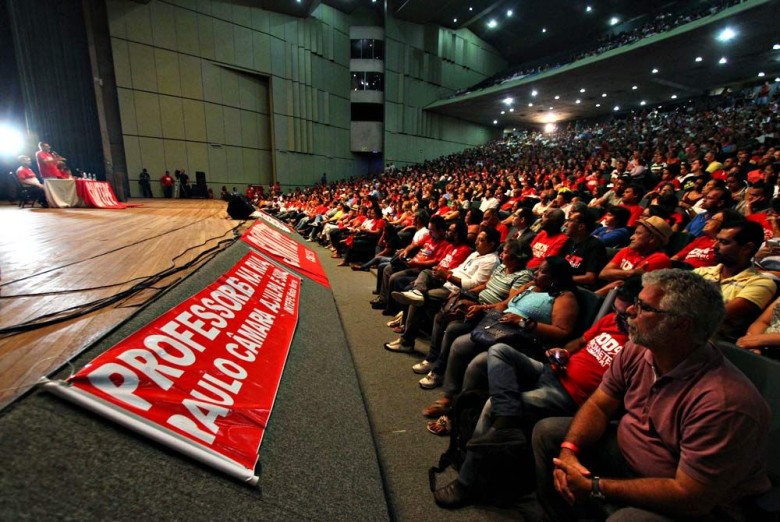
column 551, row 108
column 777, row 79
column 761, row 75
column 471, row 8
column 614, row 20
column 511, row 109
column 654, row 71
column 508, row 101
column 491, row 24
column 544, row 29
column 577, row 101
column 727, row 34
column 603, row 95
column 643, row 102
column 495, row 122
column 674, row 96
column 509, row 13
column 530, row 104
column 634, row 87
column 588, row 9
column 723, row 60
column 503, row 112
column 557, row 97
column 699, row 58
column 582, row 90
column 616, row 108
column 776, row 47
column 549, row 127
column 454, row 20
column 598, row 105
column 534, row 92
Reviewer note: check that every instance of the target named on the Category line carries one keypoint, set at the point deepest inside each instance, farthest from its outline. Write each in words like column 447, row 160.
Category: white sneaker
column 410, row 297
column 398, row 346
column 430, row 381
column 422, row 367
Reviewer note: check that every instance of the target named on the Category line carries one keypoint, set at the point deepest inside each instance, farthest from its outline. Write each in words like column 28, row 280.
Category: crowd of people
column 659, row 23
column 489, row 254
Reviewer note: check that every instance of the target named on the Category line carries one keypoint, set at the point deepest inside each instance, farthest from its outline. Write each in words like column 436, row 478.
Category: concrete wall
column 243, row 94
column 424, row 64
column 232, row 90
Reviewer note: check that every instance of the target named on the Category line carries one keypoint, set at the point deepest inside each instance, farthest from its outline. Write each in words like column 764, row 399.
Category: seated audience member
column 613, row 196
column 701, row 251
column 474, row 223
column 644, row 253
column 758, row 204
column 586, row 254
column 429, row 254
column 746, row 291
column 490, row 220
column 510, row 275
column 694, row 191
column 522, row 220
column 614, row 232
column 550, row 239
column 693, row 452
column 714, row 201
column 420, row 235
column 364, row 239
column 547, row 307
column 29, row 180
column 763, row 336
column 524, row 391
column 432, row 287
column 630, row 201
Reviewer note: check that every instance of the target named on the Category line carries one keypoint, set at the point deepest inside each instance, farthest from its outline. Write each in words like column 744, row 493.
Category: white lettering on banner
column 289, row 300
column 145, row 362
column 120, row 382
column 276, row 243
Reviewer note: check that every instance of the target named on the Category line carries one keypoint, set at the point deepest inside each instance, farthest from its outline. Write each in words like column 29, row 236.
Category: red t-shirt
column 432, row 250
column 586, row 367
column 760, row 218
column 636, row 213
column 24, row 173
column 455, row 257
column 47, row 166
column 629, row 259
column 699, row 252
column 544, row 246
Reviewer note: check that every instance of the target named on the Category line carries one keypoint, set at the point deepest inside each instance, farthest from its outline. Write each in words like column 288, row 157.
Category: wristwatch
column 595, row 490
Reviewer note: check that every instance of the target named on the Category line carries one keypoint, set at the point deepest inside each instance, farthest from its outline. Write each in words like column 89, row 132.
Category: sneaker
column 430, row 381
column 410, row 297
column 397, row 320
column 398, row 346
column 422, row 367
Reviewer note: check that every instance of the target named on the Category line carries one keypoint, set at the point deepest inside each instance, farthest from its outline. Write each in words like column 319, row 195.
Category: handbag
column 490, row 331
column 455, row 307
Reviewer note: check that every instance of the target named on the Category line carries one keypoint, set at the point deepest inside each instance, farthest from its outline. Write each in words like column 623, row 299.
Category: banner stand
column 128, row 420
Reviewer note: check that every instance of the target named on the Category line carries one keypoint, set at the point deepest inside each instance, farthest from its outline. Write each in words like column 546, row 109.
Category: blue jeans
column 520, row 385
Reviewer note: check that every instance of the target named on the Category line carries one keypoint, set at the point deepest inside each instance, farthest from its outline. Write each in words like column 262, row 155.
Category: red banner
column 209, row 369
column 286, row 251
column 278, row 223
column 97, row 194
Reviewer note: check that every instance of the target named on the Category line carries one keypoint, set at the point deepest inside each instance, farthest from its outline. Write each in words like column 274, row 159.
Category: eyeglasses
column 641, row 306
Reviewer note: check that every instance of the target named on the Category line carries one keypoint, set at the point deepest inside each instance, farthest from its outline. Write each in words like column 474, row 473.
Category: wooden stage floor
column 54, row 259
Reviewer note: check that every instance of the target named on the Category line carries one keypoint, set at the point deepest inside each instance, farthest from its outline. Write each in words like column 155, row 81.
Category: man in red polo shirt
column 47, row 162
column 27, row 178
column 550, row 240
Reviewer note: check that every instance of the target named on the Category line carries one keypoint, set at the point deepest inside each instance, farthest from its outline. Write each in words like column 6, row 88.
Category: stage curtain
column 50, row 44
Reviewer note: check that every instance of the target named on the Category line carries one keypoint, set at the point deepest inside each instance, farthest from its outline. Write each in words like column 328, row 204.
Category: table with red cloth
column 70, row 193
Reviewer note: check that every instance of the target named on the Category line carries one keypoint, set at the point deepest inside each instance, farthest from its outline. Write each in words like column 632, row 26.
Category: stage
column 55, row 259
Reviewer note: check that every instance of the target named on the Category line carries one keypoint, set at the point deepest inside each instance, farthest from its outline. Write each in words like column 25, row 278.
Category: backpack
column 505, row 475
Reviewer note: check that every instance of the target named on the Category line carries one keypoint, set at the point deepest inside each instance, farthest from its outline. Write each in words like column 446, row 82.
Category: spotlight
column 11, row 141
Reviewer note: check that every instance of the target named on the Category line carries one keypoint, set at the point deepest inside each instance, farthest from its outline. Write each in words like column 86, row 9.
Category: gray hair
column 689, row 294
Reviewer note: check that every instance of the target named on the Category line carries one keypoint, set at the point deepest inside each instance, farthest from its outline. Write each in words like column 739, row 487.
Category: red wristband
column 570, row 446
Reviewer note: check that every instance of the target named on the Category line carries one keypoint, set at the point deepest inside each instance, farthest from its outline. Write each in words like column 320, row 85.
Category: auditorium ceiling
column 531, row 31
